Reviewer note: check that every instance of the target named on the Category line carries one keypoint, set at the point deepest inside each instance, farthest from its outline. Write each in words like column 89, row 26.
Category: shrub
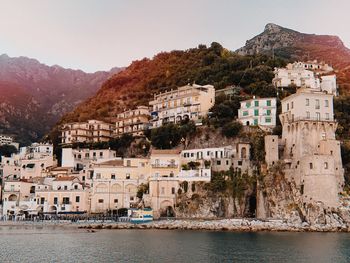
column 232, row 129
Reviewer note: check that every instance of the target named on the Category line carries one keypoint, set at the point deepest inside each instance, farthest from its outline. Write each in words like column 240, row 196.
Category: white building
column 8, row 140
column 191, row 102
column 80, row 159
column 260, row 112
column 307, row 75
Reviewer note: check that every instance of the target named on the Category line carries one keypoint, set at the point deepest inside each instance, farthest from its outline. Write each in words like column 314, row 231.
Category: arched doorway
column 166, row 209
column 12, row 198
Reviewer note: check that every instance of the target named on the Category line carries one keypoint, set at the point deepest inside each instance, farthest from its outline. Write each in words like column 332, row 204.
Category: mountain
column 293, row 45
column 34, row 96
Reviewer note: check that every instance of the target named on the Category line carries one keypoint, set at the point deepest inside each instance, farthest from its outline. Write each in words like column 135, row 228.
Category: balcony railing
column 164, row 165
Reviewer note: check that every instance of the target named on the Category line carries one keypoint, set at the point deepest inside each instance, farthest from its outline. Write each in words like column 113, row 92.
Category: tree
column 232, row 129
column 7, row 150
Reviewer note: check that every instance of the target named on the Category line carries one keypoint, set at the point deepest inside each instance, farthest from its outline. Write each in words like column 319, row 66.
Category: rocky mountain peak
column 272, row 28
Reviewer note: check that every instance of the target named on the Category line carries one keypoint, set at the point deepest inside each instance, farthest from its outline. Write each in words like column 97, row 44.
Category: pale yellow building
column 65, row 194
column 114, row 183
column 90, row 131
column 191, row 102
column 133, row 122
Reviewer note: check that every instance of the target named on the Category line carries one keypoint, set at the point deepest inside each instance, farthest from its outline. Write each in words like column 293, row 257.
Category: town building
column 87, row 132
column 311, row 154
column 258, row 112
column 115, row 182
column 133, row 122
column 32, row 161
column 311, row 75
column 64, row 195
column 190, row 102
column 8, row 140
column 80, row 159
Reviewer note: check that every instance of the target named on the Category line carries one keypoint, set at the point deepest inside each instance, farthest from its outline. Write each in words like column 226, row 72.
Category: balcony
column 165, row 165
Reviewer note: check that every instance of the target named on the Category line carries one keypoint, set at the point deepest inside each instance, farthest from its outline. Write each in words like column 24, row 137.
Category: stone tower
column 311, row 154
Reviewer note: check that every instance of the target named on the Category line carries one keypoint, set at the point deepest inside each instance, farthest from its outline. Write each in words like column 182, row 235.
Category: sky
column 97, row 35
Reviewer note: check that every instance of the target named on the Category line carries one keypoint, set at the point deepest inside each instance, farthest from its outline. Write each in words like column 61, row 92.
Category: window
column 65, row 187
column 327, row 116
column 112, row 176
column 65, row 200
column 255, row 121
column 128, row 163
column 307, row 115
column 268, row 120
column 268, row 103
column 326, row 103
column 317, row 106
column 311, row 166
column 100, row 201
column 55, row 200
column 173, row 190
column 268, row 112
column 77, row 199
column 247, row 105
column 318, row 116
column 326, row 165
column 98, row 176
column 240, row 163
column 307, row 102
column 287, row 106
column 218, row 162
column 256, row 103
column 115, row 201
column 131, row 198
column 127, row 176
column 101, row 154
column 76, row 187
column 256, row 112
column 245, row 113
column 292, row 104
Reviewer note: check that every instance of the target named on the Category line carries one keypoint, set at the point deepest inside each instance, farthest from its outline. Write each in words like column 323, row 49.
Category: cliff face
column 51, row 92
column 293, row 45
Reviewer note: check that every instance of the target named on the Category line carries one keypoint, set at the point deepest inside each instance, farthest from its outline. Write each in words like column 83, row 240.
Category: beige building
column 311, row 152
column 190, row 102
column 114, row 183
column 18, row 199
column 64, row 195
column 133, row 122
column 90, row 132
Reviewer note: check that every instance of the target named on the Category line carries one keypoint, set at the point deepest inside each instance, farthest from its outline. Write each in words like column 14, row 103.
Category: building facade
column 133, row 122
column 258, row 112
column 311, row 153
column 86, row 132
column 191, row 102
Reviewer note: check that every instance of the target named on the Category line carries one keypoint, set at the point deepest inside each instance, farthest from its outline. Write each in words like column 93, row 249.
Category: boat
column 144, row 215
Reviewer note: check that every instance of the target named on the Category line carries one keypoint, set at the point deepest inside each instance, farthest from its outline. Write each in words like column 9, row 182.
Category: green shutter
column 268, row 112
column 268, row 120
column 256, row 112
column 268, row 102
column 256, row 103
column 255, row 121
column 247, row 104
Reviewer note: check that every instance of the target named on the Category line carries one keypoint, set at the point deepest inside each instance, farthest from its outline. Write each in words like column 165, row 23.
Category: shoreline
column 230, row 225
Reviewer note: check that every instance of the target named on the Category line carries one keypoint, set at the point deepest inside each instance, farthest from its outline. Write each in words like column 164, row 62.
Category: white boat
column 141, row 216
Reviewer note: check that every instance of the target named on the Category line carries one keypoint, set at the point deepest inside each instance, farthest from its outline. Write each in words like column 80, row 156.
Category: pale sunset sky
column 100, row 34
